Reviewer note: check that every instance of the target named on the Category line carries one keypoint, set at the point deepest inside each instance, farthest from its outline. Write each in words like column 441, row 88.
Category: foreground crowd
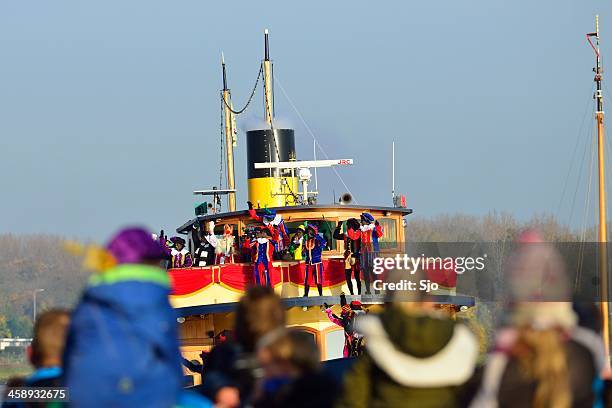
column 119, row 347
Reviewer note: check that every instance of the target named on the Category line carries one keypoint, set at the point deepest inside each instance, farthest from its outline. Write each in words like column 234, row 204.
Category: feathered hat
column 313, row 227
column 356, row 305
column 367, row 217
column 270, row 214
column 177, row 240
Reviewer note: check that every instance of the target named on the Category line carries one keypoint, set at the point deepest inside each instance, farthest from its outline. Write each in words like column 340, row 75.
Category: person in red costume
column 353, row 342
column 371, row 231
column 246, row 251
column 352, row 252
column 274, row 223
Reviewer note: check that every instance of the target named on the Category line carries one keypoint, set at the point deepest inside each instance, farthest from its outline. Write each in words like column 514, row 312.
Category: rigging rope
column 238, row 112
column 584, row 155
column 590, row 101
column 607, row 169
column 267, row 108
column 221, row 149
column 313, row 137
column 586, row 213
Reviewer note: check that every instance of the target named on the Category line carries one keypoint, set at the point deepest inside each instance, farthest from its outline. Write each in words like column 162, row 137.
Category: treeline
column 30, row 262
column 496, row 226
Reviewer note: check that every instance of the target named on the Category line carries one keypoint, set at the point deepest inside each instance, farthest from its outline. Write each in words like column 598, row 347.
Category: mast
column 603, row 236
column 267, row 66
column 393, row 172
column 229, row 139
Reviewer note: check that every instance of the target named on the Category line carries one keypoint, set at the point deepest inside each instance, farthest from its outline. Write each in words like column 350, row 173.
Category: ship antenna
column 267, row 68
column 229, row 138
column 224, row 73
column 603, row 235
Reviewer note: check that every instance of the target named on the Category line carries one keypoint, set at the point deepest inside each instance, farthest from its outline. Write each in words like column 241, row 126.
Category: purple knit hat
column 134, row 245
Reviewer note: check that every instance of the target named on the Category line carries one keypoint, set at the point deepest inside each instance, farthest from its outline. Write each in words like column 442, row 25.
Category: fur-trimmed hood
column 420, row 351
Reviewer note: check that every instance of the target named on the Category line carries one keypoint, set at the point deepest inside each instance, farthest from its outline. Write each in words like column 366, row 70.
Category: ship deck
column 317, row 301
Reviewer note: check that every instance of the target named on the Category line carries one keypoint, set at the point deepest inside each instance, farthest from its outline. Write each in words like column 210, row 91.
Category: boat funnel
column 271, row 187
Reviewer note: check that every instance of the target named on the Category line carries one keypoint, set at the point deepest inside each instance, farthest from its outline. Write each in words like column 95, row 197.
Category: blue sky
column 110, row 110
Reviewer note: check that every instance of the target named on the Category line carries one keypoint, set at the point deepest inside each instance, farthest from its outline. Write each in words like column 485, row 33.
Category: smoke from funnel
column 258, row 123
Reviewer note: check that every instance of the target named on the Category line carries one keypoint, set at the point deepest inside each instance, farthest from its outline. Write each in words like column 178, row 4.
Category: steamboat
column 278, row 182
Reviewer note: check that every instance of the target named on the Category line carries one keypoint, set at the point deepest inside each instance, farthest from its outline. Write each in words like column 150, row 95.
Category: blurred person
column 292, row 375
column 197, row 367
column 45, row 354
column 231, row 367
column 415, row 355
column 181, row 258
column 541, row 357
column 122, row 347
column 47, row 348
column 12, row 382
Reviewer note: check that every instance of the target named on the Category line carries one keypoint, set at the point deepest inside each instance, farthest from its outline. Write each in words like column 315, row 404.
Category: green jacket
column 410, row 361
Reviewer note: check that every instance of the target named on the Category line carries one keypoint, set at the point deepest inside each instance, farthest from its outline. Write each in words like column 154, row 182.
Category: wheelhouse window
column 389, row 230
column 334, row 344
column 326, row 230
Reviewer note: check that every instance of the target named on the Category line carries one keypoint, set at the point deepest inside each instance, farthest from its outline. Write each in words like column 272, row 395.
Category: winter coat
column 410, row 361
column 228, row 364
column 122, row 347
column 309, row 390
column 505, row 383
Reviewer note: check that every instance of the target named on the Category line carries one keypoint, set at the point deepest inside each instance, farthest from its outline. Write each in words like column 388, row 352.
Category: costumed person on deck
column 245, row 245
column 274, row 223
column 354, row 342
column 163, row 240
column 225, row 246
column 297, row 243
column 263, row 249
column 371, row 231
column 352, row 252
column 313, row 248
column 181, row 258
column 205, row 253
